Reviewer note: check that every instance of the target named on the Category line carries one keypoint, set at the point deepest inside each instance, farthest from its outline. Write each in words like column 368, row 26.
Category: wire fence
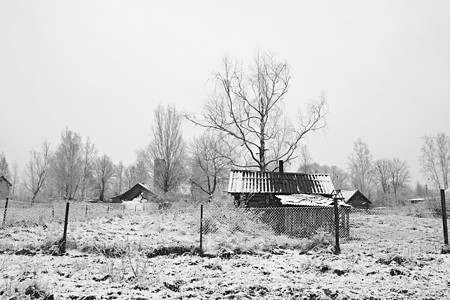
column 111, row 228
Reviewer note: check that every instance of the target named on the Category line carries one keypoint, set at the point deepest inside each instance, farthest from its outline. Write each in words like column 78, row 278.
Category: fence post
column 201, row 230
column 337, row 249
column 62, row 248
column 86, row 211
column 4, row 213
column 444, row 217
column 53, row 211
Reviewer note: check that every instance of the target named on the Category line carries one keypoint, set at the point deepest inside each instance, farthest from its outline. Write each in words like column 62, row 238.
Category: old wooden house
column 5, row 186
column 294, row 204
column 356, row 199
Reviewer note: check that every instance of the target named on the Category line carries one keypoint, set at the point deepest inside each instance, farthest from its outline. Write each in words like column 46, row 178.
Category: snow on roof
column 307, row 200
column 348, row 194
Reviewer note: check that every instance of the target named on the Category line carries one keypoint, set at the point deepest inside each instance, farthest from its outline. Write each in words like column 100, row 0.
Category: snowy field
column 154, row 256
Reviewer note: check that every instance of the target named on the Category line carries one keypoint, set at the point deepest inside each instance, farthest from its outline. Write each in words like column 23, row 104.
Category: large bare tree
column 247, row 105
column 37, row 169
column 210, row 163
column 167, row 148
column 104, row 170
column 435, row 159
column 360, row 167
column 67, row 166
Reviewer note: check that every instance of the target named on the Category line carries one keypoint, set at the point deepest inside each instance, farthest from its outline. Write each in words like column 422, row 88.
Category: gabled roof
column 134, row 192
column 247, row 182
column 348, row 195
column 4, row 178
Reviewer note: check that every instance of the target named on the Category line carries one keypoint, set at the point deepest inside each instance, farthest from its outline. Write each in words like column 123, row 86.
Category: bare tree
column 339, row 177
column 361, row 167
column 435, row 159
column 88, row 164
column 210, row 163
column 36, row 170
column 67, row 164
column 14, row 178
column 246, row 105
column 166, row 147
column 382, row 174
column 119, row 175
column 398, row 173
column 305, row 160
column 130, row 176
column 104, row 171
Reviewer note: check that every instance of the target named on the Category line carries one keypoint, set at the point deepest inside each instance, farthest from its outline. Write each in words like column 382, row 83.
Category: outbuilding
column 138, row 190
column 356, row 199
column 5, row 186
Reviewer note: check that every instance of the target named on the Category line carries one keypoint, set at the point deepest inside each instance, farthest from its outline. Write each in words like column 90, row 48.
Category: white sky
column 100, row 68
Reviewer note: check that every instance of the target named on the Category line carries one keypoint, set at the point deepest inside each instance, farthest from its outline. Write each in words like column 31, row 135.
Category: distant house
column 356, row 199
column 261, row 189
column 138, row 190
column 4, row 187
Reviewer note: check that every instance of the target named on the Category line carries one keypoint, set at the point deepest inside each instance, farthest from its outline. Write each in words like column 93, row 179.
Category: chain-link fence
column 111, row 228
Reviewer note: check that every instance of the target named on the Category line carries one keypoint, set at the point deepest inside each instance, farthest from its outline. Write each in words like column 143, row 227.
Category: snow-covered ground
column 388, row 257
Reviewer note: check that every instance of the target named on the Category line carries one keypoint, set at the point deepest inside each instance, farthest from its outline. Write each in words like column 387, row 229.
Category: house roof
column 4, row 178
column 347, row 195
column 244, row 181
column 134, row 192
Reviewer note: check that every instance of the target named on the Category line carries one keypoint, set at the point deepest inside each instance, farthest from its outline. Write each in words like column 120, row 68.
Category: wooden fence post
column 444, row 217
column 201, row 230
column 337, row 249
column 62, row 248
column 4, row 213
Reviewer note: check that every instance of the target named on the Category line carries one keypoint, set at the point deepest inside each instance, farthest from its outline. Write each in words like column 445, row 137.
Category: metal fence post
column 337, row 249
column 4, row 213
column 64, row 238
column 201, row 230
column 444, row 217
column 86, row 211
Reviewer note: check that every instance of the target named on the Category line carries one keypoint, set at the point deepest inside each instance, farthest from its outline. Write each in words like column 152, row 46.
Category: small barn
column 260, row 189
column 138, row 190
column 356, row 199
column 294, row 204
column 4, row 187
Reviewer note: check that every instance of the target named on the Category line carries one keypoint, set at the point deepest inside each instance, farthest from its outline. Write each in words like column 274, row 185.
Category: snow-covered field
column 139, row 256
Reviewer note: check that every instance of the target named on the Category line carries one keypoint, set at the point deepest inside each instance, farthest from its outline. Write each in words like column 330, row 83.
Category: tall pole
column 337, row 249
column 444, row 216
column 201, row 230
column 64, row 239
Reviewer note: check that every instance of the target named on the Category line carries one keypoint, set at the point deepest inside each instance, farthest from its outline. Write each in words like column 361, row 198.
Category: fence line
column 217, row 226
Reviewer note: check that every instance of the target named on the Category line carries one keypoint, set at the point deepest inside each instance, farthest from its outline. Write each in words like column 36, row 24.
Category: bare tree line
column 244, row 126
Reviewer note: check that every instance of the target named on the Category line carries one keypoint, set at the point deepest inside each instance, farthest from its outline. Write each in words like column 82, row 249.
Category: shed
column 4, row 187
column 259, row 189
column 137, row 190
column 356, row 199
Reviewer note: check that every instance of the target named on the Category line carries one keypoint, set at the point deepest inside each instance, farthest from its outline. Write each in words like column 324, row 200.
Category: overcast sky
column 101, row 67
